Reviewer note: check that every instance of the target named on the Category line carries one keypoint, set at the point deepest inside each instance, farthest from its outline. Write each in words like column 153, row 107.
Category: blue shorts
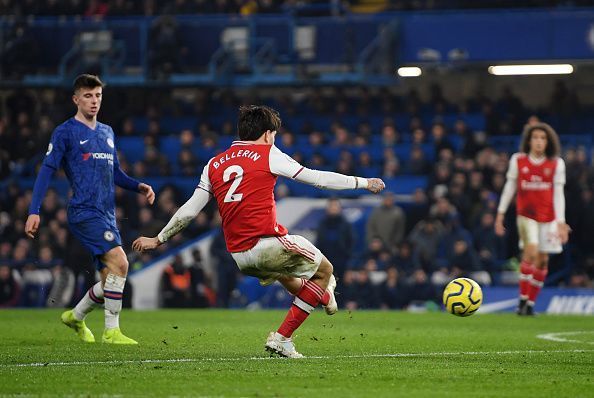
column 98, row 236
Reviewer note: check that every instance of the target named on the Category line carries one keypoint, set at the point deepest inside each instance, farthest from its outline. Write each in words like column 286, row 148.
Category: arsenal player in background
column 242, row 180
column 537, row 173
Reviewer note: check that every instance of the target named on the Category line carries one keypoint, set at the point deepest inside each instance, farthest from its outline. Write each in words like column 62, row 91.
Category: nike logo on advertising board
column 83, row 142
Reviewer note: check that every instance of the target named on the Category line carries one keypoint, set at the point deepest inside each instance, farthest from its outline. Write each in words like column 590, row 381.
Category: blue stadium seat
column 131, row 147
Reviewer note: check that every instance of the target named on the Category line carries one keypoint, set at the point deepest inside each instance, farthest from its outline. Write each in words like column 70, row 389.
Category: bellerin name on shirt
column 236, row 154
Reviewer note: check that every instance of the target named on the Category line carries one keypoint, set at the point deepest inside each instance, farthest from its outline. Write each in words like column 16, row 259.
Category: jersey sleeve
column 282, row 164
column 558, row 194
column 559, row 177
column 56, row 149
column 204, row 183
column 512, row 171
column 509, row 189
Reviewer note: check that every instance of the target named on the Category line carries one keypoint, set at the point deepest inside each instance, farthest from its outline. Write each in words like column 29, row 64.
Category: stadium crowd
column 412, row 248
column 103, row 8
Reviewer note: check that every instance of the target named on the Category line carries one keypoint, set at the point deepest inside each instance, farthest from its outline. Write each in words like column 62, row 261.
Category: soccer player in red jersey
column 242, row 180
column 538, row 174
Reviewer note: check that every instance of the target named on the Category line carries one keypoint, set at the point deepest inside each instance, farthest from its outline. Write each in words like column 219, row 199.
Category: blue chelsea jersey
column 88, row 157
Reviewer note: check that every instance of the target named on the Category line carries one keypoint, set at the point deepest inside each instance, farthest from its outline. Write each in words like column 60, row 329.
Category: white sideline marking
column 557, row 337
column 362, row 356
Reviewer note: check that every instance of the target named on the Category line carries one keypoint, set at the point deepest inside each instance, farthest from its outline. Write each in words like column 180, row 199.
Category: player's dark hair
column 87, row 81
column 255, row 120
column 553, row 148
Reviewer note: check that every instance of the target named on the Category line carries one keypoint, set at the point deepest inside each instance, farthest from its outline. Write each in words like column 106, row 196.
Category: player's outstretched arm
column 180, row 220
column 337, row 181
column 283, row 165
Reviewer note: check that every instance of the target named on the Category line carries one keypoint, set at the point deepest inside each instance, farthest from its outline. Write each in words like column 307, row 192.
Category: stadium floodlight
column 511, row 70
column 409, row 71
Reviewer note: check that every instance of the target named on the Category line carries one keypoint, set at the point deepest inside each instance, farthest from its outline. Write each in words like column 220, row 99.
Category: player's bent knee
column 326, row 268
column 123, row 268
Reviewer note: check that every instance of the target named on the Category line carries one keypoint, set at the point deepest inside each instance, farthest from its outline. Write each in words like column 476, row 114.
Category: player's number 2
column 231, row 195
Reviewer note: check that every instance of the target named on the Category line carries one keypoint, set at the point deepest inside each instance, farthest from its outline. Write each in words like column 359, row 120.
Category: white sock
column 92, row 298
column 112, row 293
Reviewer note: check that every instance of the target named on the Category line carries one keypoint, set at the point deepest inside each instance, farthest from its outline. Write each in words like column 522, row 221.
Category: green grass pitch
column 212, row 353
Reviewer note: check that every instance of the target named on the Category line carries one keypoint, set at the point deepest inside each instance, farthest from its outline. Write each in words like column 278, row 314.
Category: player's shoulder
column 65, row 129
column 518, row 155
column 105, row 127
column 559, row 160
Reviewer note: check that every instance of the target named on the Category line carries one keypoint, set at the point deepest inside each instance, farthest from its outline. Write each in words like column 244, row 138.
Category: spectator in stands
column 186, row 139
column 443, row 211
column 390, row 136
column 377, row 252
column 387, row 222
column 166, row 47
column 200, row 225
column 20, row 53
column 461, row 261
column 417, row 210
column 156, row 163
column 393, row 293
column 10, row 287
column 418, row 134
column 391, row 167
column 148, row 224
column 367, row 293
column 335, row 237
column 420, row 289
column 403, row 259
column 176, row 285
column 187, row 163
column 489, row 246
column 418, row 164
column 97, row 9
column 365, row 167
column 342, row 137
column 202, row 293
column 120, row 8
column 440, row 139
column 425, row 238
column 347, row 298
column 227, row 271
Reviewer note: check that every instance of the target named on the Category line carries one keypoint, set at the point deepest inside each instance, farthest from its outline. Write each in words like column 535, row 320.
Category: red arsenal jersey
column 535, row 181
column 242, row 180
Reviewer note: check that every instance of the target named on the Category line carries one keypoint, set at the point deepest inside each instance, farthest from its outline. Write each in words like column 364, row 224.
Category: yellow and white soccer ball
column 462, row 297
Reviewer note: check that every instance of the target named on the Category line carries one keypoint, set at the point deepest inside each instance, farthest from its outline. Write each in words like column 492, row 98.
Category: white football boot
column 332, row 307
column 280, row 345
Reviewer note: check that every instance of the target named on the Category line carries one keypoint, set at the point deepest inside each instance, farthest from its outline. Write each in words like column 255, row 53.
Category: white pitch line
column 557, row 337
column 362, row 356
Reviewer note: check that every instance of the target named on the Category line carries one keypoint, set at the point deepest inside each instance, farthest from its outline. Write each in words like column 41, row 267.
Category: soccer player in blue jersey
column 85, row 149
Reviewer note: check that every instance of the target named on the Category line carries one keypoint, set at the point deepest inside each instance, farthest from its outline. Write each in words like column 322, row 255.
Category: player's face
column 88, row 101
column 538, row 142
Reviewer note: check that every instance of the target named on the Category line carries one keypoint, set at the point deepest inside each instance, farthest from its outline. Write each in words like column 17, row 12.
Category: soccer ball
column 462, row 297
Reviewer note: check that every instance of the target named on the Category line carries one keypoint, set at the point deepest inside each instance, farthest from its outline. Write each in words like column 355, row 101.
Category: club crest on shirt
column 108, row 236
column 547, row 172
column 49, row 149
column 110, row 143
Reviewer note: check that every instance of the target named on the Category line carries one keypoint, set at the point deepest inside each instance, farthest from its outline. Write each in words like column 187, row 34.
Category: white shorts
column 542, row 234
column 278, row 256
